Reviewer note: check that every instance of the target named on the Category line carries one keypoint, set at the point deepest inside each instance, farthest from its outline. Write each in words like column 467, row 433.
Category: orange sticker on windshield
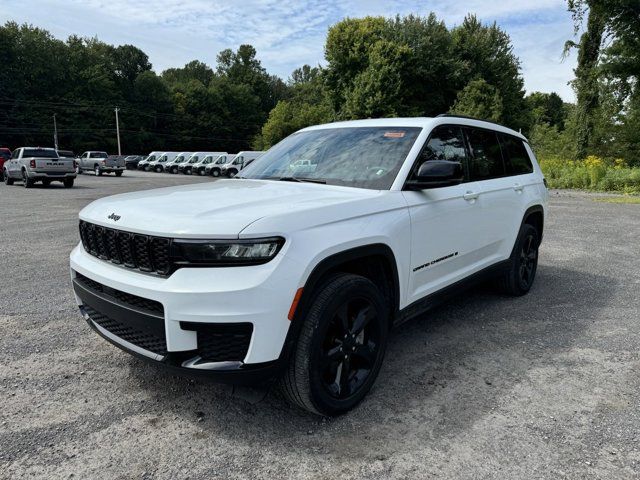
column 394, row 134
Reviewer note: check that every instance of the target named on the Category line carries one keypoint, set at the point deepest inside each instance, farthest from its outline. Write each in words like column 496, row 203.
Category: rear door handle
column 470, row 195
column 518, row 188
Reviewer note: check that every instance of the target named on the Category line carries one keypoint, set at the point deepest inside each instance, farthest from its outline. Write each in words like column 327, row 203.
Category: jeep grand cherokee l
column 338, row 232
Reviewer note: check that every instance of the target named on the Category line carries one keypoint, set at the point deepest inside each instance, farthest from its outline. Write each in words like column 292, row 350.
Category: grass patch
column 617, row 199
column 593, row 173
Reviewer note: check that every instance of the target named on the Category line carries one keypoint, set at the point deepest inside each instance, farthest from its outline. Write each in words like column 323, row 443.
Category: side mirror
column 436, row 174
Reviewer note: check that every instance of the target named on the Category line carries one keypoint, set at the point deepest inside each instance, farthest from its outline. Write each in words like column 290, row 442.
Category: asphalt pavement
column 485, row 386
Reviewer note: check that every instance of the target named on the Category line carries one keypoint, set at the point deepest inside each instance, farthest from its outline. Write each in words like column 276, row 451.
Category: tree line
column 375, row 67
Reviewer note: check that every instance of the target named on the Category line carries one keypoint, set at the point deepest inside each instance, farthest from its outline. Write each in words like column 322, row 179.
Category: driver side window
column 445, row 143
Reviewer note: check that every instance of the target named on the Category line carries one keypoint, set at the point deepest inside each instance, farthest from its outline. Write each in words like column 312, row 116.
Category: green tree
column 485, row 53
column 194, row 70
column 547, row 108
column 480, row 100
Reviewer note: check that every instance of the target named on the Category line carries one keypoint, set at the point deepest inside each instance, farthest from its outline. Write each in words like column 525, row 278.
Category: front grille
column 141, row 252
column 221, row 342
column 145, row 304
column 144, row 339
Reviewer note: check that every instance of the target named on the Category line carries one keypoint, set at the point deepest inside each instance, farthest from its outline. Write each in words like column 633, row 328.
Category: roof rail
column 453, row 115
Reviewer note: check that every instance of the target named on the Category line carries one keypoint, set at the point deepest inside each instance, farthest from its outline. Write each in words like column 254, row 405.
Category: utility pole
column 118, row 131
column 55, row 132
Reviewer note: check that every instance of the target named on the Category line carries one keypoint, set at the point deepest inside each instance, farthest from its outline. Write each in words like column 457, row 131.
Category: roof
column 421, row 122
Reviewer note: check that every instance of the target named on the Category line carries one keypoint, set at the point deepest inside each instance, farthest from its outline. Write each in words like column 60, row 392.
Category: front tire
column 517, row 281
column 215, row 172
column 118, row 174
column 340, row 348
column 46, row 182
column 97, row 171
column 7, row 179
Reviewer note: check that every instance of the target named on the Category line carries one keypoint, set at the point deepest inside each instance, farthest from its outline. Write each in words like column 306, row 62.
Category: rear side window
column 519, row 161
column 486, row 156
column 98, row 155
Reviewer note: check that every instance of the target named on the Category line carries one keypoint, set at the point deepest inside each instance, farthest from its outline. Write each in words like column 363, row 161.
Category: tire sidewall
column 519, row 287
column 321, row 315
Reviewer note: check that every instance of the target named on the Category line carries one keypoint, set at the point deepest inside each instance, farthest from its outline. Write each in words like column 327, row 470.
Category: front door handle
column 470, row 195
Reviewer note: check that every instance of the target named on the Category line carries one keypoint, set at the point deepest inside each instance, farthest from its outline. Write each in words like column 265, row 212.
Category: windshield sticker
column 394, row 134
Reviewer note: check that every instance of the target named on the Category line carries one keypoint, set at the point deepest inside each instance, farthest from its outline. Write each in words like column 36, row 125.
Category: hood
column 222, row 209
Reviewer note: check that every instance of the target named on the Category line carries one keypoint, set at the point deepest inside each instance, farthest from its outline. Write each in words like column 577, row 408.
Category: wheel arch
column 365, row 260
column 534, row 216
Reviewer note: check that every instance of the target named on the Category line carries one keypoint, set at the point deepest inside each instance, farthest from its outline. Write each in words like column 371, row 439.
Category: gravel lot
column 544, row 386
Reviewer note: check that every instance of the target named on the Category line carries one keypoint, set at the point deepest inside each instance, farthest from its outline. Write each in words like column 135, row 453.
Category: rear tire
column 340, row 348
column 517, row 281
column 118, row 174
column 68, row 182
column 7, row 179
column 78, row 170
column 26, row 181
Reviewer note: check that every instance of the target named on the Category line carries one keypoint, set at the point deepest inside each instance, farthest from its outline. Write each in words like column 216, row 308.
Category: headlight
column 225, row 252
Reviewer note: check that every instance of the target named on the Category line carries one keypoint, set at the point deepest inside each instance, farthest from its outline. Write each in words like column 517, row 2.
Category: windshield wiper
column 302, row 179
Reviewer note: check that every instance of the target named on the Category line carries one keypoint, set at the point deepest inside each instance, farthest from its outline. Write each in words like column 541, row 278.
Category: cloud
column 290, row 33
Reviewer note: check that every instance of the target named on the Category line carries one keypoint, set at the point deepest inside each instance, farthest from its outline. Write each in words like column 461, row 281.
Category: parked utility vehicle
column 213, row 167
column 158, row 165
column 208, row 161
column 186, row 167
column 304, row 280
column 35, row 164
column 100, row 162
column 232, row 168
column 172, row 165
column 149, row 158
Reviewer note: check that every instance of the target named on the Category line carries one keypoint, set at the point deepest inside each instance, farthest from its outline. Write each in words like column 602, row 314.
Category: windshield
column 362, row 157
column 220, row 161
column 150, row 158
column 207, row 159
column 178, row 159
column 39, row 152
column 162, row 159
column 194, row 159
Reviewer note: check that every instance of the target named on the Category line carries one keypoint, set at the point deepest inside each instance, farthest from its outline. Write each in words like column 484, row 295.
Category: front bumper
column 192, row 300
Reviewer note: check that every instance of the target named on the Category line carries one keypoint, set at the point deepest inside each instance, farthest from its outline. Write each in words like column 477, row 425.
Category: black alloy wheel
column 528, row 261
column 350, row 348
column 341, row 345
column 519, row 278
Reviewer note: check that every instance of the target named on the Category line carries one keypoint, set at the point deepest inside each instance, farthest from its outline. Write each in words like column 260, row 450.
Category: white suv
column 303, row 282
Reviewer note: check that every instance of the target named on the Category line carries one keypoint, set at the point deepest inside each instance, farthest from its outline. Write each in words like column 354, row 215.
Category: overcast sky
column 290, row 33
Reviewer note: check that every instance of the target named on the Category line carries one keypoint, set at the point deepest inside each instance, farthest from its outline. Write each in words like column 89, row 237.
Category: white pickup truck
column 35, row 164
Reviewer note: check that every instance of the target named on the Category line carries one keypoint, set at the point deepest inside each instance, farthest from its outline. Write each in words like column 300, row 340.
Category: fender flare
column 318, row 274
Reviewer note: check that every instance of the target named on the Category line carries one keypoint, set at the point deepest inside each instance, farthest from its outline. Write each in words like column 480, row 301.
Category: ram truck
column 35, row 164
